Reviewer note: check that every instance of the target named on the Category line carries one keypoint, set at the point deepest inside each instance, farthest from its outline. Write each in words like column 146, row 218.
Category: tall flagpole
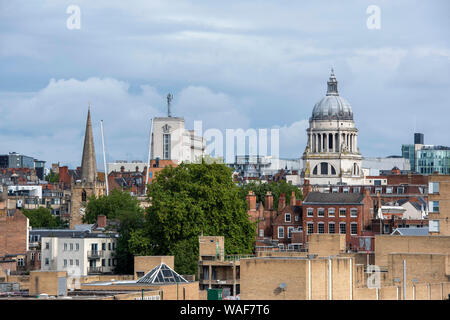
column 104, row 159
column 149, row 155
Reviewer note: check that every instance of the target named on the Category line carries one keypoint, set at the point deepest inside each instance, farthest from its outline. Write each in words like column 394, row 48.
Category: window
column 342, row 212
column 321, row 227
column 39, row 256
column 280, row 232
column 353, row 212
column 65, row 262
column 109, row 262
column 356, row 189
column 310, row 212
column 296, row 217
column 71, row 247
column 114, row 246
column 310, row 227
column 321, row 212
column 261, row 233
column 433, row 187
column 434, row 206
column 166, row 146
column 290, row 232
column 103, row 262
column 109, row 246
column 331, row 227
column 354, row 228
column 377, row 182
column 77, row 246
column 434, row 226
column 334, row 190
column 389, row 190
column 83, row 196
column 77, row 262
column 378, row 189
column 47, row 245
column 287, row 217
column 103, row 246
column 20, row 262
column 65, row 246
column 345, row 190
column 342, row 228
column 71, row 262
column 32, row 256
column 400, row 190
column 331, row 212
column 47, row 261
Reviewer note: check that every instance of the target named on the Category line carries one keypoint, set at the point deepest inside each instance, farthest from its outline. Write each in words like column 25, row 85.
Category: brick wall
column 13, row 234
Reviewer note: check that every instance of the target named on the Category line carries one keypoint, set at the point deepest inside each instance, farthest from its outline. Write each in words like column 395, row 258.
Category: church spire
column 332, row 85
column 88, row 162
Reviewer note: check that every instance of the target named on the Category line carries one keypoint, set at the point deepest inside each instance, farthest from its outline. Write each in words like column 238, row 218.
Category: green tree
column 191, row 200
column 52, row 177
column 277, row 188
column 43, row 218
column 110, row 206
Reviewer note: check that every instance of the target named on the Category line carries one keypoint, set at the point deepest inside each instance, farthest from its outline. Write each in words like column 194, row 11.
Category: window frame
column 282, row 232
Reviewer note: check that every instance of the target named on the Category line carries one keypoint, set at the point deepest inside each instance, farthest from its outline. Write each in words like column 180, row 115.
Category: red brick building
column 345, row 213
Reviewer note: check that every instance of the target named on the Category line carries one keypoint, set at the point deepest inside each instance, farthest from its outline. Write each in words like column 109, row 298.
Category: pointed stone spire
column 88, row 162
column 332, row 85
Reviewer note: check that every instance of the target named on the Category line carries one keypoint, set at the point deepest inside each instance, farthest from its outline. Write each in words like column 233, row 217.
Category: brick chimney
column 293, row 200
column 281, row 202
column 101, row 221
column 251, row 200
column 268, row 201
column 306, row 188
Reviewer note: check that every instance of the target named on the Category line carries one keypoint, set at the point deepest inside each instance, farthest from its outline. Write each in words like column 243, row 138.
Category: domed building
column 332, row 155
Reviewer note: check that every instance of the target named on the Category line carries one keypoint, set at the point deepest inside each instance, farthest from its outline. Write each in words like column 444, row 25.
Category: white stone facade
column 332, row 155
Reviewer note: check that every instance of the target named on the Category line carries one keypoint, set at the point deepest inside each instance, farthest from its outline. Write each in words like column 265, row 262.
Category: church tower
column 332, row 155
column 89, row 184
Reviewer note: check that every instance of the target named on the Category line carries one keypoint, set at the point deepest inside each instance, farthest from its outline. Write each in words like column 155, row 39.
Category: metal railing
column 95, row 254
column 95, row 270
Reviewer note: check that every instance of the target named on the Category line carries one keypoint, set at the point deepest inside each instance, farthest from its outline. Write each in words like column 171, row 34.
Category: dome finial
column 332, row 85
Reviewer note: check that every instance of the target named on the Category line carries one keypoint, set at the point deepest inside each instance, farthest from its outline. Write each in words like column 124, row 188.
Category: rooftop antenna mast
column 169, row 100
column 104, row 160
column 149, row 156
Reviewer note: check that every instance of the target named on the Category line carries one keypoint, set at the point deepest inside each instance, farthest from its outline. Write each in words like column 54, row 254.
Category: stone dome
column 332, row 106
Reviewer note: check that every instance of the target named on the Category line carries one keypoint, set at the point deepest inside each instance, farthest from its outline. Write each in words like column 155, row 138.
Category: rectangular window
column 321, row 212
column 71, row 262
column 379, row 189
column 280, row 232
column 77, row 262
column 310, row 228
column 389, row 190
column 434, row 206
column 261, row 233
column 77, row 246
column 290, row 232
column 65, row 262
column 47, row 245
column 71, row 247
column 20, row 262
column 65, row 246
column 296, row 217
column 331, row 227
column 400, row 190
column 114, row 246
column 334, row 190
column 103, row 262
column 39, row 256
column 109, row 246
column 345, row 190
column 287, row 217
column 32, row 256
column 433, row 226
column 342, row 228
column 356, row 190
column 103, row 246
column 47, row 261
column 166, row 146
column 109, row 262
column 353, row 212
column 321, row 227
column 310, row 212
column 342, row 212
column 354, row 228
column 433, row 187
column 331, row 212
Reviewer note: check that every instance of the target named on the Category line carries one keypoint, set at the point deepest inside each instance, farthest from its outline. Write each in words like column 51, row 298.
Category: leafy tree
column 277, row 188
column 43, row 218
column 191, row 200
column 110, row 206
column 52, row 177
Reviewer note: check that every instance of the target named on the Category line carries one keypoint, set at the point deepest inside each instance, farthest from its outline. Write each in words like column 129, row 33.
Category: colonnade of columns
column 331, row 142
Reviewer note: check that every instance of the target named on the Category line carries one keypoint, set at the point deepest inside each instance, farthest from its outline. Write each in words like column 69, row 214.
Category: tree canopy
column 43, row 218
column 192, row 200
column 277, row 188
column 111, row 206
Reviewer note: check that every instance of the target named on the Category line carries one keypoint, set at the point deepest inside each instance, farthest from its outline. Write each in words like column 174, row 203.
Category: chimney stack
column 101, row 221
column 251, row 199
column 306, row 188
column 268, row 201
column 281, row 202
column 293, row 200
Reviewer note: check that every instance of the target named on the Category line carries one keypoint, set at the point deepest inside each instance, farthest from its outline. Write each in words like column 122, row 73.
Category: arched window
column 325, row 169
column 355, row 170
column 83, row 196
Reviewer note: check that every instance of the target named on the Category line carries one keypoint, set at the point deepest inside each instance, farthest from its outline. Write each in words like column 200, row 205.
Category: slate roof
column 161, row 274
column 341, row 198
column 411, row 231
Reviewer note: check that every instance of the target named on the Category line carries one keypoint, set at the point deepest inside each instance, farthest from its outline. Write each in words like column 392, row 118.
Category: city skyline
column 226, row 65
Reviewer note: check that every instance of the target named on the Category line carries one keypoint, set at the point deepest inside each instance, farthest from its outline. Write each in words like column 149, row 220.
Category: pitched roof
column 319, row 197
column 411, row 231
column 161, row 274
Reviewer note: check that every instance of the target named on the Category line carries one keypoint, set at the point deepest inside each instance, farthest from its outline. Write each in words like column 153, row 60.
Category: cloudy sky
column 232, row 64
